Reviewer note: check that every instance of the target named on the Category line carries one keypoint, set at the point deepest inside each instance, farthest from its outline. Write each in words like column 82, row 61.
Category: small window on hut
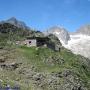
column 29, row 42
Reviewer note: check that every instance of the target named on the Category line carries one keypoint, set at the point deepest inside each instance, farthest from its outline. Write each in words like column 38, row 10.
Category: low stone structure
column 39, row 42
column 36, row 41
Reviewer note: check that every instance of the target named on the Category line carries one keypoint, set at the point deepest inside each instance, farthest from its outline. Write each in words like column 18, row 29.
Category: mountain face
column 15, row 28
column 9, row 31
column 60, row 32
column 16, row 23
column 78, row 42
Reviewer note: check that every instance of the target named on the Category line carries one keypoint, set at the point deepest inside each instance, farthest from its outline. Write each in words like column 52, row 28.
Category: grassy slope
column 40, row 59
column 74, row 62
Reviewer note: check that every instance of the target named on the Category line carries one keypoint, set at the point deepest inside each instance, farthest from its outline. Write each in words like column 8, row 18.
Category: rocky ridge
column 60, row 32
column 15, row 22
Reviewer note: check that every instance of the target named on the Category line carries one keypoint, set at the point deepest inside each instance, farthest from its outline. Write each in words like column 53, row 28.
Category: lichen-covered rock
column 10, row 66
column 54, row 60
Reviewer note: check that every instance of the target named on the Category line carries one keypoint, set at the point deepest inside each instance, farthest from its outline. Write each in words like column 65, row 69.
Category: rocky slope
column 43, row 69
column 13, row 30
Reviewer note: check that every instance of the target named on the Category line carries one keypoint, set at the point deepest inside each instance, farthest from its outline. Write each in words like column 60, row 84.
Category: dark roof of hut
column 43, row 38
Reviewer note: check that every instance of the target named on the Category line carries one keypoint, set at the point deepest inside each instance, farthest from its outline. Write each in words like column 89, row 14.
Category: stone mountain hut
column 40, row 42
column 36, row 41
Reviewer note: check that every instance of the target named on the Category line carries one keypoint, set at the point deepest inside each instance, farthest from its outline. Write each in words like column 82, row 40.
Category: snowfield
column 79, row 44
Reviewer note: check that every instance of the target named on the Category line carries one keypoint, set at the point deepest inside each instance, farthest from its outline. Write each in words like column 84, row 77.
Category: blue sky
column 42, row 14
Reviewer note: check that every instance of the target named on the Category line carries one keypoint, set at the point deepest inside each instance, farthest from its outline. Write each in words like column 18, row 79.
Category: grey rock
column 10, row 66
column 60, row 32
column 54, row 60
column 16, row 23
column 2, row 59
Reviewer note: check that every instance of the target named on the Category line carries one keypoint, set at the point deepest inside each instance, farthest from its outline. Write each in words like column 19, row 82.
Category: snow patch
column 79, row 44
column 57, row 33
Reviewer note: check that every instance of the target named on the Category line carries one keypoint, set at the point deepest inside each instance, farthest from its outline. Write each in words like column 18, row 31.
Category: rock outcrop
column 60, row 32
column 16, row 23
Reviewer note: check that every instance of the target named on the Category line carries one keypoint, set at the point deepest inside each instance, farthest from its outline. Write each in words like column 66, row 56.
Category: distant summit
column 60, row 32
column 16, row 23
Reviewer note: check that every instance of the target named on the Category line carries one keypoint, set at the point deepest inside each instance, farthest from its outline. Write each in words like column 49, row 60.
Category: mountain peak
column 12, row 19
column 60, row 32
column 16, row 22
column 56, row 28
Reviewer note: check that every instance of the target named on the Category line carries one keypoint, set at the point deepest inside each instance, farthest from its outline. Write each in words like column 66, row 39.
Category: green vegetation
column 43, row 60
column 40, row 68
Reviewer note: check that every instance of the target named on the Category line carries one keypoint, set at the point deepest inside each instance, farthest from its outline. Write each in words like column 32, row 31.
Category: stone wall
column 31, row 42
